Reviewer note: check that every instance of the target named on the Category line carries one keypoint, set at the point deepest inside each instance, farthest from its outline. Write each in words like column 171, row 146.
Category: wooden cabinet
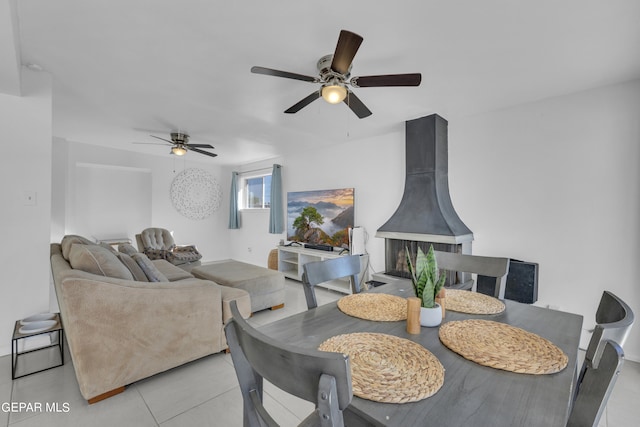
column 292, row 258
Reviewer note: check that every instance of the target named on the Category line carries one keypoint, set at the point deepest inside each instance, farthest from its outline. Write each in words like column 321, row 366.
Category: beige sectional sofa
column 121, row 327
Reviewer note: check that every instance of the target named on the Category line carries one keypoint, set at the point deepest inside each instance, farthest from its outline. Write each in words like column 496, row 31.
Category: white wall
column 557, row 182
column 111, row 201
column 374, row 168
column 554, row 182
column 209, row 234
column 25, row 170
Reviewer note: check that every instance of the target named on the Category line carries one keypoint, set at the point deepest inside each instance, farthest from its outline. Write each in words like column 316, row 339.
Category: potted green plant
column 427, row 283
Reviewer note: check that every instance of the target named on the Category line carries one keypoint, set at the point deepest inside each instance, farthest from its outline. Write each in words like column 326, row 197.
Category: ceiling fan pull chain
column 348, row 115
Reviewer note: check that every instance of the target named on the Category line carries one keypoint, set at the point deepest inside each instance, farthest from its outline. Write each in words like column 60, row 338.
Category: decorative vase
column 431, row 316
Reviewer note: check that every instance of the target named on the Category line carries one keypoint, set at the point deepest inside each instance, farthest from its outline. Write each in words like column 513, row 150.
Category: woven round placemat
column 502, row 346
column 369, row 306
column 389, row 369
column 472, row 302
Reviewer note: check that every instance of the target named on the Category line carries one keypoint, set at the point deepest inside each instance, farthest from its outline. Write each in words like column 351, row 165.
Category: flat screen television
column 320, row 217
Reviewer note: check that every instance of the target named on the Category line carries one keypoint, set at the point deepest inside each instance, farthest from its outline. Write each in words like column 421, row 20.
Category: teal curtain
column 234, row 221
column 276, row 213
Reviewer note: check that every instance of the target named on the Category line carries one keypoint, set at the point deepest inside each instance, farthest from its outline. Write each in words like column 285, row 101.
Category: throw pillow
column 108, row 246
column 71, row 239
column 156, row 253
column 127, row 248
column 97, row 260
column 134, row 268
column 151, row 271
column 184, row 254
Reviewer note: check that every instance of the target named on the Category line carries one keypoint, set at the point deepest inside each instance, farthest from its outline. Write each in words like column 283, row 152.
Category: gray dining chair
column 596, row 386
column 614, row 319
column 316, row 376
column 498, row 268
column 317, row 272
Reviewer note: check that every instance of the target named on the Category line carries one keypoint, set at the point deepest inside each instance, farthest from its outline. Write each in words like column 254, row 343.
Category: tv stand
column 292, row 258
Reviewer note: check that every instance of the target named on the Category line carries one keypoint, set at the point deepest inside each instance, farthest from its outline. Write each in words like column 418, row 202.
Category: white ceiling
column 124, row 69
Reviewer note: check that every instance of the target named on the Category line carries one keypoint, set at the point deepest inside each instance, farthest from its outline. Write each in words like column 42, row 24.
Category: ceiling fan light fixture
column 334, row 93
column 178, row 150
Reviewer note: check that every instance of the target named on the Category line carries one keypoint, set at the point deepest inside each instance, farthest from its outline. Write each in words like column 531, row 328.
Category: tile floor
column 204, row 392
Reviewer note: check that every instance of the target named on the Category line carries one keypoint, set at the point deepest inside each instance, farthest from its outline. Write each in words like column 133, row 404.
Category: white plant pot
column 431, row 316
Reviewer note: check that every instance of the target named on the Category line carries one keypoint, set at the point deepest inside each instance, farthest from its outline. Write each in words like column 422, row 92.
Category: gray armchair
column 158, row 243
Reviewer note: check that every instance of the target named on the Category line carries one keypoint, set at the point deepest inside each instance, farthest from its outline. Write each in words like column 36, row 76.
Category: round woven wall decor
column 195, row 193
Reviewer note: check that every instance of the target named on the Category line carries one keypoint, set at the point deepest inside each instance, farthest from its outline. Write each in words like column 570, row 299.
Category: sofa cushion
column 134, row 268
column 171, row 272
column 150, row 270
column 266, row 287
column 97, row 260
column 71, row 239
column 242, row 299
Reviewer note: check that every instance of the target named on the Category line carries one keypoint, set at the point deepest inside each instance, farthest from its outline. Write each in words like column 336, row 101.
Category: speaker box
column 522, row 282
column 357, row 241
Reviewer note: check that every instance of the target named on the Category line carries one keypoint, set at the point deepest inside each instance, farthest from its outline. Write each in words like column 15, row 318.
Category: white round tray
column 37, row 318
column 35, row 327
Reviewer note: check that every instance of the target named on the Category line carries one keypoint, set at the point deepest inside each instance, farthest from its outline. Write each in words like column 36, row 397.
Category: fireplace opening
column 396, row 260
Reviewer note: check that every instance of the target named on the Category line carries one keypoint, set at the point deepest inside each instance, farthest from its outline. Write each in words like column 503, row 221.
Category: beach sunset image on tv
column 320, row 217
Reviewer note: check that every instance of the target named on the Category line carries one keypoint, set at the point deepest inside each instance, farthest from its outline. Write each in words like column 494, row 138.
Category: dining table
column 471, row 394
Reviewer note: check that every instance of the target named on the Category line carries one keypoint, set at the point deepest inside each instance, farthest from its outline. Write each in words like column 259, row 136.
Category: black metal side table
column 18, row 336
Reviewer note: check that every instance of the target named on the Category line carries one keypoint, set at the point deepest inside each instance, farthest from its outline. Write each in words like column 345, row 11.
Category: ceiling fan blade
column 206, row 153
column 348, row 44
column 413, row 79
column 285, row 74
column 150, row 143
column 170, row 142
column 357, row 106
column 306, row 101
column 200, row 145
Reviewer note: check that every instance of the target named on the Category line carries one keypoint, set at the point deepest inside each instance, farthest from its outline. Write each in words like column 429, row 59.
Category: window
column 257, row 192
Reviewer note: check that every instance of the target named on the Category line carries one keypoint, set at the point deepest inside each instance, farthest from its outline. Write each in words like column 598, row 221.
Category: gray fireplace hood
column 426, row 213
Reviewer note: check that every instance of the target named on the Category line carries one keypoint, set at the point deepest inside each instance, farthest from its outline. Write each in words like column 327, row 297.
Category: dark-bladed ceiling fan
column 179, row 144
column 334, row 76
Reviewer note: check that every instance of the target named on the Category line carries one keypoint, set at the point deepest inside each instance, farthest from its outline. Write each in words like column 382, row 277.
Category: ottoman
column 265, row 287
